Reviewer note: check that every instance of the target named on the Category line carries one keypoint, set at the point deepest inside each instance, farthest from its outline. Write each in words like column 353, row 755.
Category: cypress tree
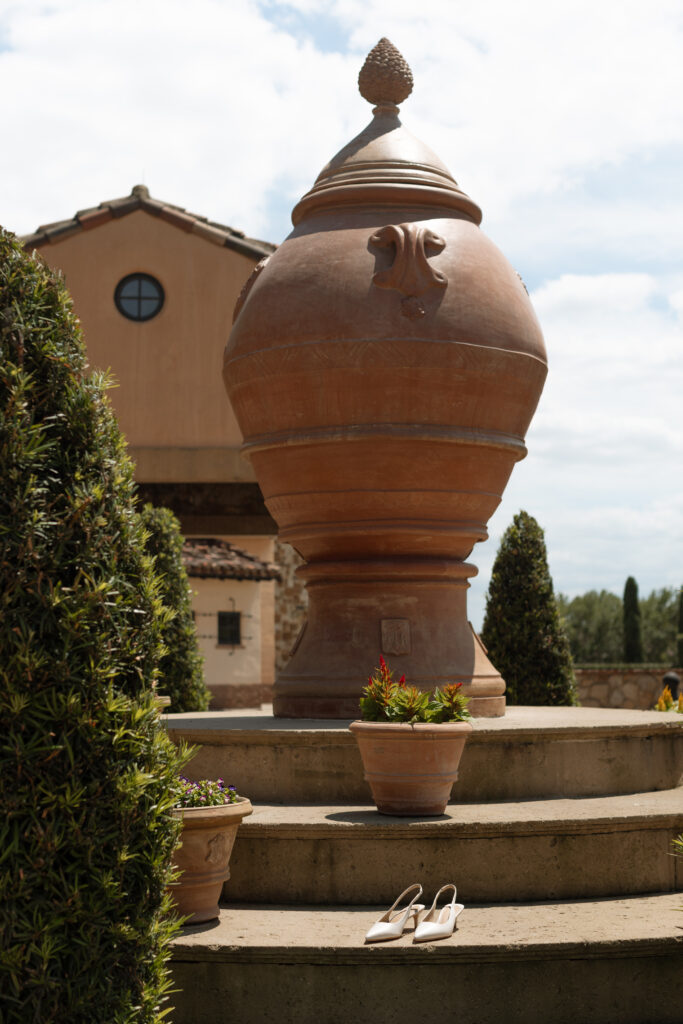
column 522, row 629
column 87, row 772
column 633, row 639
column 180, row 669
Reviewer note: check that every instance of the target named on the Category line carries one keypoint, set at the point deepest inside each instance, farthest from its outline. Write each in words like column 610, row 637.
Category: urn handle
column 248, row 285
column 410, row 273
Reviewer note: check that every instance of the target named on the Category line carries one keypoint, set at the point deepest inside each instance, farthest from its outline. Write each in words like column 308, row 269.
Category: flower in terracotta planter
column 411, row 743
column 211, row 814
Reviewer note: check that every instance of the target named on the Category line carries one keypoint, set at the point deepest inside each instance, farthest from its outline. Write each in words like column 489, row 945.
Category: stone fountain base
column 559, row 840
column 413, row 611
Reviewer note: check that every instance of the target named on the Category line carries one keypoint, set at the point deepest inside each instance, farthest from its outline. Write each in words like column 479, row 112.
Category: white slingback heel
column 439, row 923
column 391, row 924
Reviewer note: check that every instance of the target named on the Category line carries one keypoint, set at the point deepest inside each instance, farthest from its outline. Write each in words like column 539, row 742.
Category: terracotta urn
column 206, row 842
column 411, row 769
column 384, row 365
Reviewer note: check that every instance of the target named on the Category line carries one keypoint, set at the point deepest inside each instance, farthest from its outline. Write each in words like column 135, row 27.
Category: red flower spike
column 402, row 681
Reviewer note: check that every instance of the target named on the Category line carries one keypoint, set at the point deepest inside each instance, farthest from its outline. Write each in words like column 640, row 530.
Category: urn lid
column 385, row 163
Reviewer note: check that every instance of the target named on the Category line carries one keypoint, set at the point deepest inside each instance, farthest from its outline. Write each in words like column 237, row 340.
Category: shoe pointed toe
column 430, row 933
column 381, row 931
column 391, row 924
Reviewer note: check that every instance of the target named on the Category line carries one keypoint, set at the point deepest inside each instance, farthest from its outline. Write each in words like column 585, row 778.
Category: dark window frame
column 229, row 629
column 139, row 278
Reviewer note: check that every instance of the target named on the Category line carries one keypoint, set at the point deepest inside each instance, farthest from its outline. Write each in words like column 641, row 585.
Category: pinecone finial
column 385, row 78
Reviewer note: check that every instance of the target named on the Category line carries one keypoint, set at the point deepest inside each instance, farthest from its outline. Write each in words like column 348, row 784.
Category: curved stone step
column 532, row 850
column 610, row 961
column 530, row 753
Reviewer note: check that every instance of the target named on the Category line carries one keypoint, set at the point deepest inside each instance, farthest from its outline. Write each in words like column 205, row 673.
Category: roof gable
column 140, row 199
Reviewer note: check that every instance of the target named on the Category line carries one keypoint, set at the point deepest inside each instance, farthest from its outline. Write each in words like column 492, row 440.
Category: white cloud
column 604, row 471
column 565, row 121
column 219, row 106
column 212, row 110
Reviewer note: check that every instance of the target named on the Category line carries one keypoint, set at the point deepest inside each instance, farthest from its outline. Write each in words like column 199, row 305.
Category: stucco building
column 155, row 288
column 233, row 613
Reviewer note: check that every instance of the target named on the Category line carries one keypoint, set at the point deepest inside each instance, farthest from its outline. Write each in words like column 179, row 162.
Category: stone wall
column 291, row 602
column 612, row 686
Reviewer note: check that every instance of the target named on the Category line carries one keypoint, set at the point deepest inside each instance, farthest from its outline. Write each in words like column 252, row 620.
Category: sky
column 562, row 120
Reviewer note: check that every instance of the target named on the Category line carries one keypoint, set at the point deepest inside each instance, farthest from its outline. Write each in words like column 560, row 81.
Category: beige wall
column 238, row 676
column 170, row 400
column 225, row 666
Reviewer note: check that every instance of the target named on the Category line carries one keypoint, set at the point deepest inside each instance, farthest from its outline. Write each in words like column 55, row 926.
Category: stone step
column 532, row 850
column 608, row 961
column 531, row 753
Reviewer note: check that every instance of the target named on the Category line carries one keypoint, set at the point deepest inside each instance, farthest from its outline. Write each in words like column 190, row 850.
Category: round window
column 139, row 296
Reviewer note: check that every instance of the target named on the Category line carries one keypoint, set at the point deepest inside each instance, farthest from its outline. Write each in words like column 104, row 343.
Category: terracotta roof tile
column 208, row 557
column 181, row 220
column 140, row 199
column 208, row 232
column 93, row 218
column 61, row 229
column 152, row 206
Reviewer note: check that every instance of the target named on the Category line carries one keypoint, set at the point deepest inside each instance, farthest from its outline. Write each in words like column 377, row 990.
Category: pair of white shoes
column 438, row 923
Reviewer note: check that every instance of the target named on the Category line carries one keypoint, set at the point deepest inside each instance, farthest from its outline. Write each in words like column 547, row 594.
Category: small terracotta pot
column 207, row 839
column 411, row 768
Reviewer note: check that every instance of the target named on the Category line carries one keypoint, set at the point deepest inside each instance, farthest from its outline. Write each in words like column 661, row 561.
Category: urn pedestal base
column 413, row 611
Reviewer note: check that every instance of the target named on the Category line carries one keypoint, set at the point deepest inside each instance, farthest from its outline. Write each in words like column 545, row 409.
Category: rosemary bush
column 87, row 774
column 181, row 676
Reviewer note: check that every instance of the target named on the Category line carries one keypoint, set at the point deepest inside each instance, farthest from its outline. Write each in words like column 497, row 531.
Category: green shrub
column 633, row 638
column 522, row 629
column 87, row 772
column 180, row 670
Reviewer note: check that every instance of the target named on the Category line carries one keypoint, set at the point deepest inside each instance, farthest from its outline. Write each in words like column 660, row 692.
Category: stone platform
column 531, row 753
column 523, row 850
column 588, row 962
column 558, row 836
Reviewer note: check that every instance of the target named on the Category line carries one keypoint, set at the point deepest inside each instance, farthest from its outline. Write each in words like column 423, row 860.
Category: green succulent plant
column 385, row 700
column 408, row 704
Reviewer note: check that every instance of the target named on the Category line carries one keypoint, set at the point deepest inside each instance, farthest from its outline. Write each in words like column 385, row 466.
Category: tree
column 522, row 629
column 658, row 613
column 594, row 626
column 633, row 640
column 180, row 669
column 87, row 772
column 679, row 635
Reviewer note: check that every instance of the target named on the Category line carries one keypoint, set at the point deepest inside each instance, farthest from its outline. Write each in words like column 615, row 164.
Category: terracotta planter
column 411, row 768
column 207, row 839
column 384, row 366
